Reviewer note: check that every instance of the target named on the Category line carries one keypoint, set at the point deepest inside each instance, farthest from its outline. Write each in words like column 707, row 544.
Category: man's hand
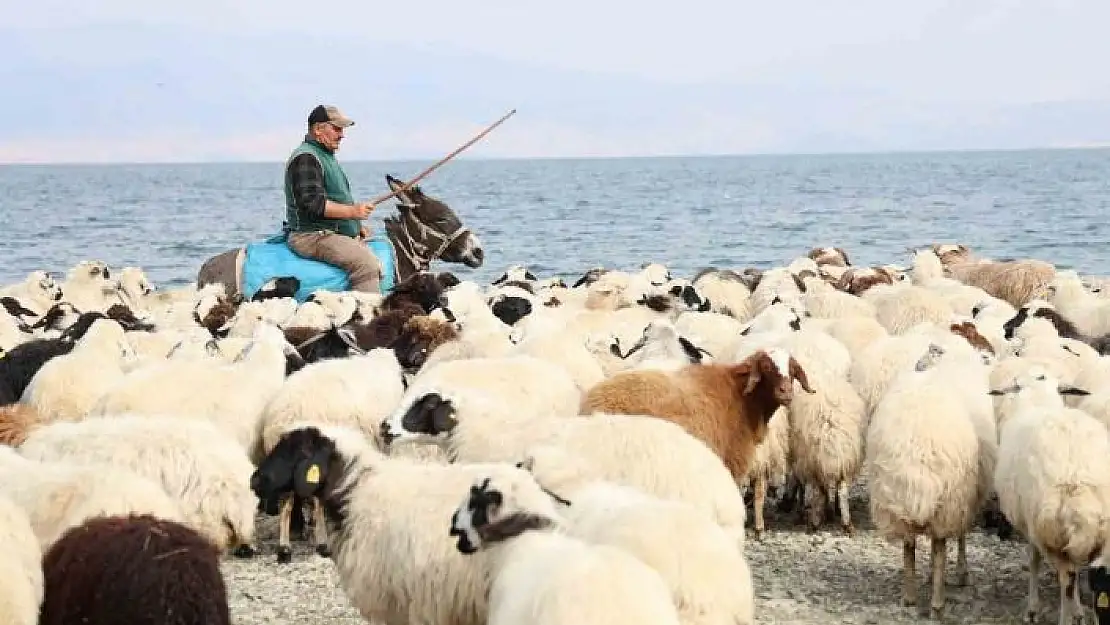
column 362, row 210
column 363, row 232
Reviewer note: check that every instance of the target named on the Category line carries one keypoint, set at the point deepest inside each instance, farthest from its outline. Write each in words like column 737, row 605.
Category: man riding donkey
column 322, row 217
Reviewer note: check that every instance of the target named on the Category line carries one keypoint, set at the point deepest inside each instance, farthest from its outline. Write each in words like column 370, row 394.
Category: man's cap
column 329, row 114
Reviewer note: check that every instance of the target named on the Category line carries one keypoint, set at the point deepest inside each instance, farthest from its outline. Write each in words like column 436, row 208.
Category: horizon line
column 1095, row 146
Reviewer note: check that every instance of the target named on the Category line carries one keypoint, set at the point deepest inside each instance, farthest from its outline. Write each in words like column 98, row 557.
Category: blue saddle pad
column 272, row 258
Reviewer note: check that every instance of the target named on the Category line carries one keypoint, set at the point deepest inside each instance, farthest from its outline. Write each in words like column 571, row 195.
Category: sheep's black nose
column 258, row 482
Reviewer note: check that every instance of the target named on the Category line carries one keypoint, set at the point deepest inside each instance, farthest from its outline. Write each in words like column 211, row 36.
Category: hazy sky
column 125, row 80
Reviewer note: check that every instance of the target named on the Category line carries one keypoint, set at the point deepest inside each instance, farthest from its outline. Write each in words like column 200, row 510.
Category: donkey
column 424, row 230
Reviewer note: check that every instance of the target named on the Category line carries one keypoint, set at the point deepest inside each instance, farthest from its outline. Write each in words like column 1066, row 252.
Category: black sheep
column 23, row 361
column 137, row 570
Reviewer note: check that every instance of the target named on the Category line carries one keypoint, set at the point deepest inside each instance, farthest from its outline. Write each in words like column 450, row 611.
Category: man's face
column 329, row 135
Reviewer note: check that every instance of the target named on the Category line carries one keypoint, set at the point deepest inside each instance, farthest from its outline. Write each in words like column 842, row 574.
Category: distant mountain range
column 114, row 93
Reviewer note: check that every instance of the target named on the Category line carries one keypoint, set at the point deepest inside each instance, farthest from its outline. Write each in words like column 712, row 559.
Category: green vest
column 336, row 187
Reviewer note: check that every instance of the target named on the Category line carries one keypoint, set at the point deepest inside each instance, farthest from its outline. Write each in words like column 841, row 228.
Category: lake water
column 565, row 216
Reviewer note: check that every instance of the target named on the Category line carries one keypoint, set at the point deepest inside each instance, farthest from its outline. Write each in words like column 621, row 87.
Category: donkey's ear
column 394, row 184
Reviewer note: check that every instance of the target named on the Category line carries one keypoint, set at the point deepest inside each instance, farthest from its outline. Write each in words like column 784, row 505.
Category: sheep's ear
column 799, row 374
column 693, row 352
column 1072, row 390
column 748, row 374
column 996, row 392
column 844, row 254
column 528, row 464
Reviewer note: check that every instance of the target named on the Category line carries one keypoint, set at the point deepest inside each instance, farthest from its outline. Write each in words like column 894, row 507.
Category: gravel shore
column 799, row 579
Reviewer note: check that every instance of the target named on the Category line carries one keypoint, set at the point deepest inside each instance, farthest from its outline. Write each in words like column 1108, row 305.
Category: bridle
column 415, row 251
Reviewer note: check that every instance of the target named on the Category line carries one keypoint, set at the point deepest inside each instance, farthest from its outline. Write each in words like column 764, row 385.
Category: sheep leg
column 319, row 531
column 1033, row 600
column 845, row 512
column 816, row 500
column 909, row 574
column 962, row 577
column 940, row 553
column 1071, row 612
column 284, row 550
column 760, row 488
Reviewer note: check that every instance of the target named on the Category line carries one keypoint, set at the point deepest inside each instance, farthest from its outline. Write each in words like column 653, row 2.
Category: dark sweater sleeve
column 307, row 180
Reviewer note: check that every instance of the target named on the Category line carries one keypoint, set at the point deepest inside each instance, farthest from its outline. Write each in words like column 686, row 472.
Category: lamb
column 20, row 567
column 708, row 576
column 930, row 455
column 713, row 331
column 726, row 406
column 206, row 473
column 135, row 569
column 900, row 308
column 376, row 525
column 624, row 449
column 66, row 387
column 535, row 565
column 1053, row 482
column 89, row 286
column 57, row 496
column 575, row 358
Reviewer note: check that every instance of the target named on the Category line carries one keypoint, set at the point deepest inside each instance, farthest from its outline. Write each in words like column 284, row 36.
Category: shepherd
column 322, row 218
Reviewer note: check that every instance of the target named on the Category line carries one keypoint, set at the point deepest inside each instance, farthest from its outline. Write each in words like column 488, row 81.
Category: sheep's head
column 431, row 417
column 656, row 274
column 419, row 337
column 43, row 287
column 829, row 256
column 59, row 317
column 950, row 253
column 213, row 312
column 516, row 273
column 660, row 339
column 1034, row 308
column 89, row 271
column 501, row 506
column 971, row 334
column 424, row 288
column 1039, row 386
column 684, row 291
column 768, row 377
column 133, row 282
column 510, row 308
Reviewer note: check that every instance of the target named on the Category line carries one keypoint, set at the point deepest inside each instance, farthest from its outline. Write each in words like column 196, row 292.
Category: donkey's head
column 426, row 229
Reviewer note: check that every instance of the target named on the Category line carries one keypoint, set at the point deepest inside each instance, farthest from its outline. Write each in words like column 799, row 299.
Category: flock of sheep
column 532, row 452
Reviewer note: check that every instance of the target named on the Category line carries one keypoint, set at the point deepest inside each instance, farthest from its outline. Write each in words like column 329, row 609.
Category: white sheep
column 206, row 473
column 931, row 448
column 541, row 575
column 1053, row 482
column 20, row 567
column 67, row 387
column 393, row 564
column 726, row 292
column 624, row 449
column 480, row 386
column 578, row 361
column 708, row 576
column 1089, row 312
column 37, row 292
column 231, row 395
column 60, row 495
column 90, row 287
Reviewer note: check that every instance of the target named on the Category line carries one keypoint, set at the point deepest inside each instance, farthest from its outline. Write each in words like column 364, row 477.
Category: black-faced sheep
column 726, row 406
column 20, row 364
column 420, row 294
column 138, row 570
column 535, row 564
column 284, row 286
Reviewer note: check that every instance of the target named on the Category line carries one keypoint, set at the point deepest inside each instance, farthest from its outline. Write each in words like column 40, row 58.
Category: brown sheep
column 1017, row 281
column 726, row 406
column 16, row 422
column 420, row 336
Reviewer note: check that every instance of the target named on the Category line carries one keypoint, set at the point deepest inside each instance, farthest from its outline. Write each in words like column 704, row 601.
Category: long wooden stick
column 408, row 185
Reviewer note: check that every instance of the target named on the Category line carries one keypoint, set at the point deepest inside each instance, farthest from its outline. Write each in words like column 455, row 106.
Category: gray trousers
column 352, row 255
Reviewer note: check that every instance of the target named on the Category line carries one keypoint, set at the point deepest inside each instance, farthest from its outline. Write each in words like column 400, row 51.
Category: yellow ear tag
column 312, row 476
column 1103, row 600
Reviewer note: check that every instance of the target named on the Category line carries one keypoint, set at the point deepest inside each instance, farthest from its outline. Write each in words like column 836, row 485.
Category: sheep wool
column 20, row 567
